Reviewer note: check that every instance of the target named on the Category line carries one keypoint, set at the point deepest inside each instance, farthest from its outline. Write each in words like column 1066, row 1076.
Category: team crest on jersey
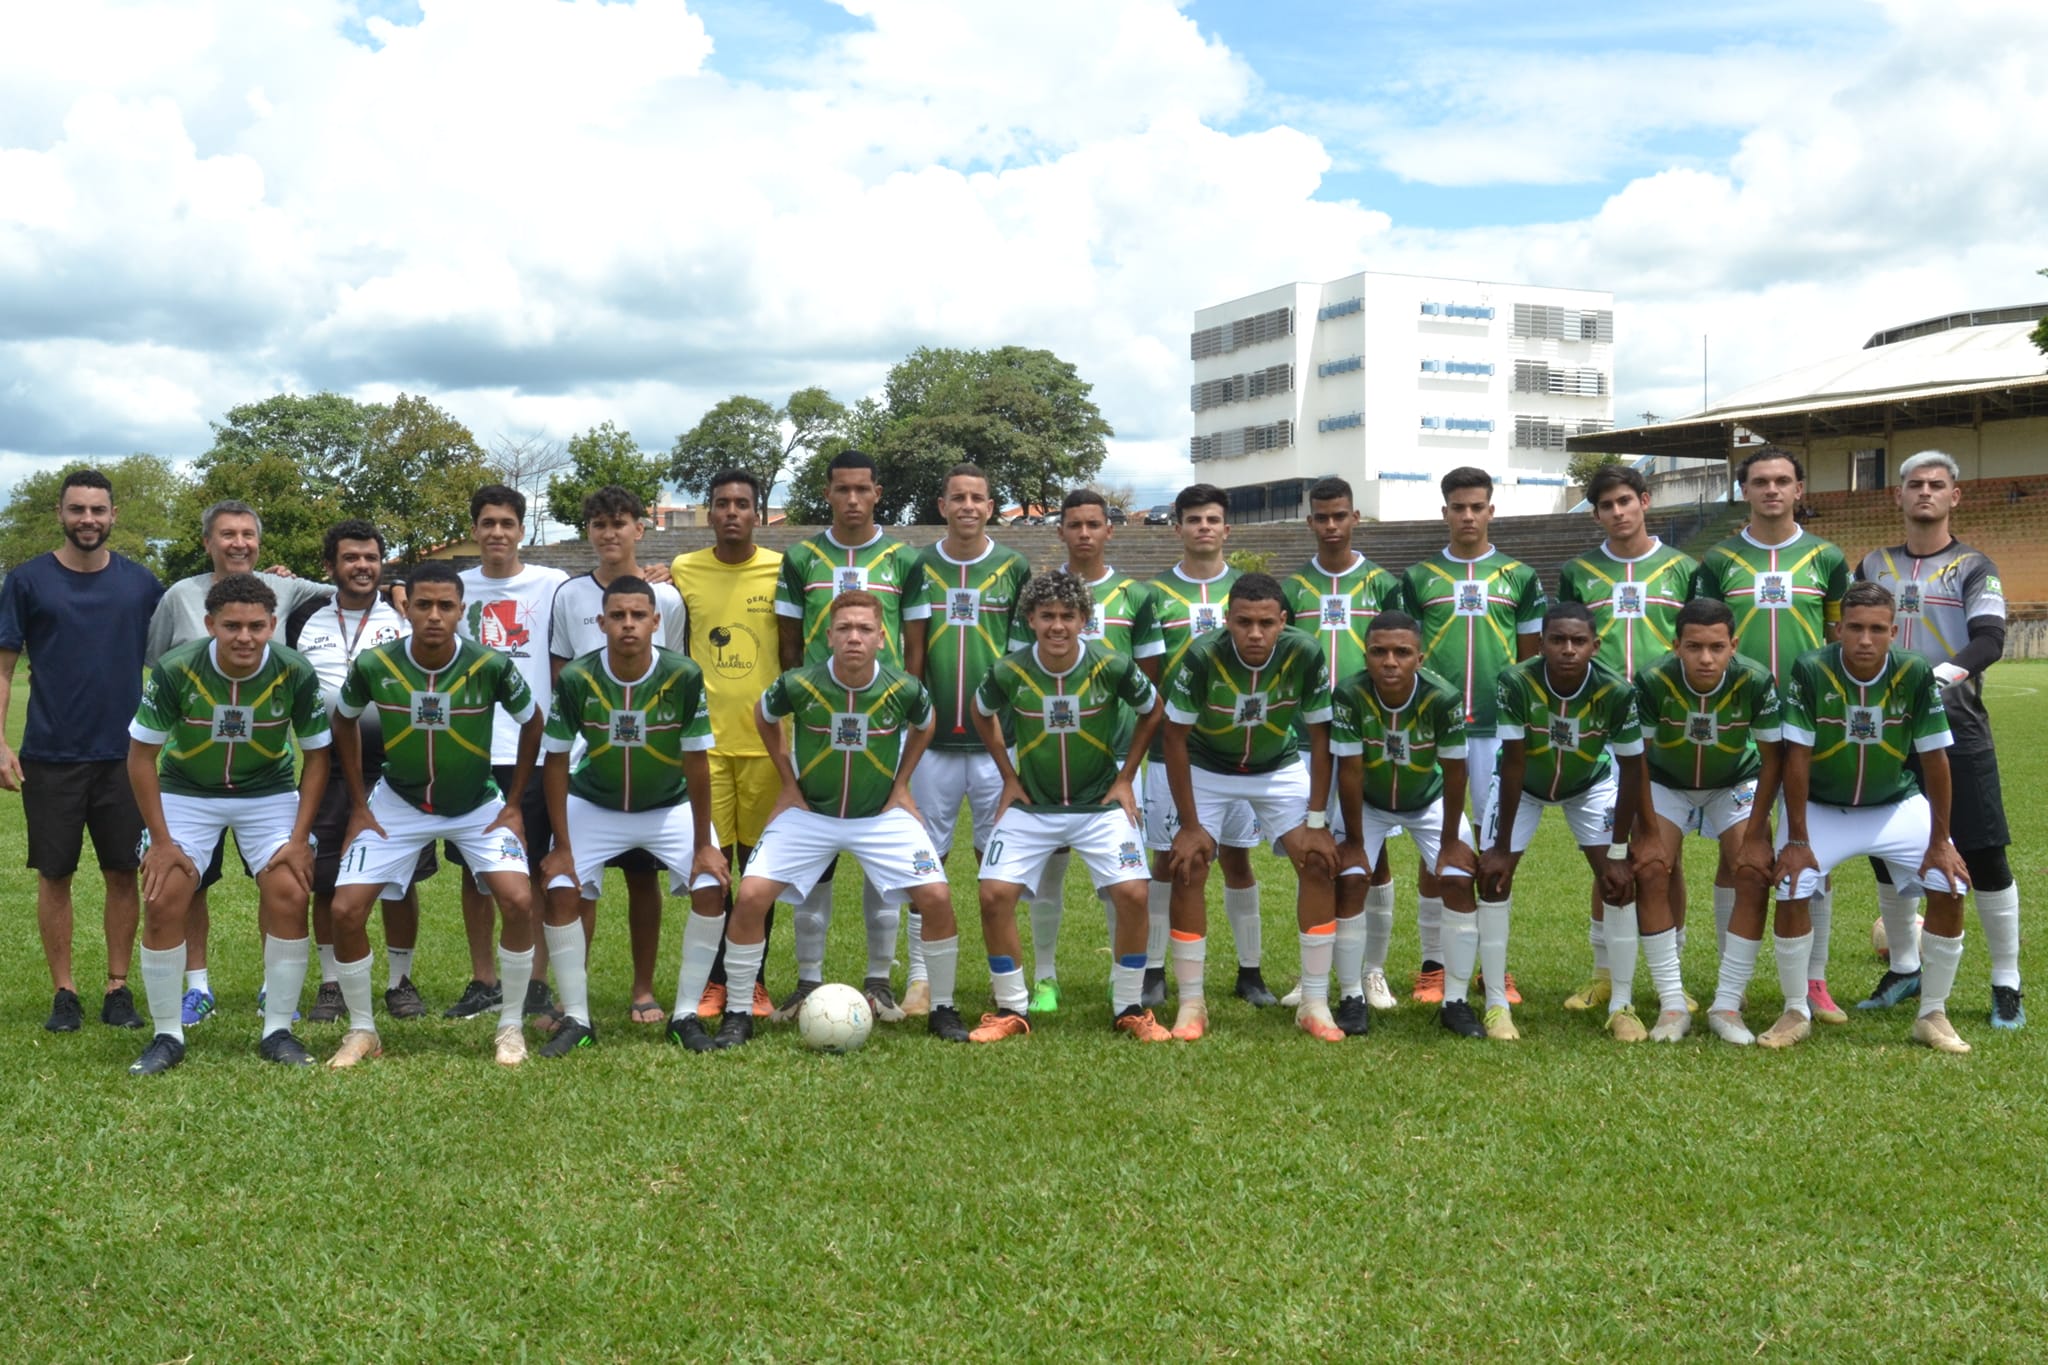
column 1128, row 857
column 963, row 606
column 1336, row 612
column 510, row 850
column 849, row 730
column 429, row 710
column 1468, row 597
column 496, row 625
column 1628, row 599
column 230, row 723
column 1062, row 714
column 1096, row 620
column 1866, row 724
column 923, row 863
column 849, row 578
column 1563, row 732
column 1398, row 749
column 1702, row 728
column 629, row 729
column 1909, row 599
column 1251, row 710
column 1774, row 590
column 1205, row 618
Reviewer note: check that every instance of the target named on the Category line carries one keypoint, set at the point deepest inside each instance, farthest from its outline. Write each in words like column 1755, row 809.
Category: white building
column 1389, row 381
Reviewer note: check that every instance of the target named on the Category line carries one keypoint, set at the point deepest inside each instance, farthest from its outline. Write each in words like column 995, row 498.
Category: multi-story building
column 1391, row 380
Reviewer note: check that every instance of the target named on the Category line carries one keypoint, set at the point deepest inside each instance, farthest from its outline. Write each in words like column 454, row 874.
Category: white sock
column 1316, row 949
column 1461, row 948
column 942, row 962
column 1660, row 954
column 163, row 971
column 515, row 973
column 327, row 961
column 398, row 962
column 1045, row 937
column 1899, row 913
column 1679, row 938
column 742, row 970
column 197, row 981
column 1724, row 915
column 813, row 917
column 1158, row 920
column 1241, row 908
column 1352, row 936
column 566, row 956
column 1792, row 959
column 1493, row 949
column 1596, row 938
column 913, row 929
column 1738, row 965
column 1621, row 935
column 1822, row 908
column 1126, row 984
column 1190, row 957
column 1379, row 926
column 701, row 936
column 1429, row 926
column 354, row 979
column 1939, row 959
column 882, row 922
column 1999, row 913
column 284, row 978
column 1008, row 989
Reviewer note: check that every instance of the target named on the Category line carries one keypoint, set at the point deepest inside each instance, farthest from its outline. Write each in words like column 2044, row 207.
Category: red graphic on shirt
column 498, row 625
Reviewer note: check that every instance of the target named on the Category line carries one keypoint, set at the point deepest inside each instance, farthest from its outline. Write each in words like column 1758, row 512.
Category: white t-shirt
column 580, row 604
column 333, row 636
column 514, row 616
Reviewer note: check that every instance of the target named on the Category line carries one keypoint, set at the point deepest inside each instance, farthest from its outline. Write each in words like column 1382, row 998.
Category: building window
column 1235, row 336
column 1338, row 310
column 1549, row 433
column 1349, row 419
column 1866, row 470
column 1563, row 324
column 1536, row 376
column 1344, row 366
column 1225, row 445
column 1238, row 388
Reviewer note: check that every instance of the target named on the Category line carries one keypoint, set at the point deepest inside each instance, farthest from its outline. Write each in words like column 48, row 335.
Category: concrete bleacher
column 2013, row 533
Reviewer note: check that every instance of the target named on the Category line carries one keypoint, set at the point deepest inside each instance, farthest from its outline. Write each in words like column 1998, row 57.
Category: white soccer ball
column 1881, row 946
column 834, row 1018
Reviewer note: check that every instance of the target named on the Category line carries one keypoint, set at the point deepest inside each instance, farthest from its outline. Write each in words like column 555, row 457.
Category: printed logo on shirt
column 1866, row 724
column 1097, row 620
column 497, row 625
column 1628, row 599
column 1563, row 732
column 1909, row 599
column 1774, row 590
column 1062, row 714
column 629, row 729
column 1702, row 728
column 1336, row 614
column 230, row 723
column 1398, row 748
column 1251, row 710
column 963, row 606
column 734, row 649
column 429, row 710
column 849, row 730
column 1204, row 618
column 849, row 578
column 1468, row 597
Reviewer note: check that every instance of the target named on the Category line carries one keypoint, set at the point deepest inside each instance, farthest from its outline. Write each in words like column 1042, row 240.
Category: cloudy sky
column 546, row 214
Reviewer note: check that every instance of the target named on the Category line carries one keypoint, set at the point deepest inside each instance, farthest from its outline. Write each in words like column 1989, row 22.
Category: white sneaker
column 1376, row 993
column 1935, row 1031
column 511, row 1045
column 1293, row 997
column 1729, row 1028
column 1792, row 1028
column 1671, row 1025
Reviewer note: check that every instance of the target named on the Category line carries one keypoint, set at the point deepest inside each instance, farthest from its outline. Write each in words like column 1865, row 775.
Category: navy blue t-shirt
column 83, row 634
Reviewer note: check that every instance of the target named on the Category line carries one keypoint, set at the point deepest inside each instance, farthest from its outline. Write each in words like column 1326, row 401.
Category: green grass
column 1070, row 1196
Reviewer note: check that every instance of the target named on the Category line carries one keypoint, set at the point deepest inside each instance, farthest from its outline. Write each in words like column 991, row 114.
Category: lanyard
column 342, row 622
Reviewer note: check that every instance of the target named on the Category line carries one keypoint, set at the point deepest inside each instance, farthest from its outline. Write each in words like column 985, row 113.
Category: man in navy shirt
column 82, row 614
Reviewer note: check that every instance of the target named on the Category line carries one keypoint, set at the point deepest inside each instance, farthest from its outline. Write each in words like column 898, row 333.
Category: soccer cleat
column 1692, row 1006
column 1457, row 1016
column 570, row 1036
column 1192, row 1021
column 1377, row 993
column 917, row 998
column 882, row 1000
column 1429, row 987
column 1354, row 1016
column 943, row 1022
column 1792, row 1027
column 261, row 994
column 1595, row 994
column 1000, row 1025
column 1500, row 1024
column 1729, row 1028
column 687, row 1030
column 511, row 1045
column 1825, row 1010
column 117, row 1008
column 1314, row 1019
column 1292, row 998
column 1671, row 1025
column 1624, row 1027
column 403, row 1001
column 284, row 1049
column 475, row 999
column 1154, row 994
column 763, row 1006
column 1140, row 1024
column 735, row 1030
column 540, row 1007
column 1893, row 988
column 1935, row 1031
column 2006, row 1009
column 1045, row 996
column 196, row 1006
column 786, row 1008
column 163, row 1053
column 66, row 1014
column 357, row 1045
column 328, row 1006
column 1252, row 989
column 1514, row 996
column 713, row 1003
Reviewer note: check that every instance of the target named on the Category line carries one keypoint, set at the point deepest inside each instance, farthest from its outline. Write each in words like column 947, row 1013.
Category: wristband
column 1317, row 819
column 1797, row 843
column 1617, row 852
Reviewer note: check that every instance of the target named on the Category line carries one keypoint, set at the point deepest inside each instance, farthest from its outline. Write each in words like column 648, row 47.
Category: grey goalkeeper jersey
column 1939, row 595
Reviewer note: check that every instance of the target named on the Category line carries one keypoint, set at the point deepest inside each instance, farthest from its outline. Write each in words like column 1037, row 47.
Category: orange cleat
column 1143, row 1027
column 712, row 1006
column 998, row 1026
column 1314, row 1019
column 1429, row 987
column 1192, row 1021
column 764, row 1004
column 1508, row 979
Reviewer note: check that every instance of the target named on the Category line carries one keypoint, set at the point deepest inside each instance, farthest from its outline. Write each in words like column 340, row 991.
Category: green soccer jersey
column 817, row 570
column 437, row 722
column 1067, row 723
column 1706, row 742
column 1335, row 608
column 1402, row 746
column 1126, row 621
column 1471, row 610
column 971, row 608
column 225, row 736
column 1188, row 609
column 1860, row 731
column 1566, row 741
column 1784, row 596
column 635, row 733
column 1242, row 718
column 1634, row 602
column 849, row 740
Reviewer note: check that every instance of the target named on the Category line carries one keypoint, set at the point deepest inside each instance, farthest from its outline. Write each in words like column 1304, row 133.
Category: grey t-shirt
column 1939, row 595
column 181, row 616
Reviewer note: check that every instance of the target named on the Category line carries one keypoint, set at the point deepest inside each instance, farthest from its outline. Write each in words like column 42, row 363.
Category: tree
column 527, row 463
column 295, row 510
column 746, row 433
column 602, row 456
column 146, row 495
column 2039, row 336
column 1123, row 496
column 1586, row 463
column 862, row 429
column 413, row 475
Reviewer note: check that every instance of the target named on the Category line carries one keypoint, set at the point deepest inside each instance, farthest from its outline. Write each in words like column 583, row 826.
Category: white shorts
column 1425, row 827
column 1236, row 827
column 1896, row 834
column 894, row 850
column 1590, row 814
column 262, row 825
column 1709, row 811
column 599, row 834
column 942, row 782
column 388, row 861
column 1482, row 759
column 1278, row 802
column 1023, row 843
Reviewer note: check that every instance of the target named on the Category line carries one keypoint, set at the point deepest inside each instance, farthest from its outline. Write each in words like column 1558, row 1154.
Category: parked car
column 1162, row 515
column 1117, row 515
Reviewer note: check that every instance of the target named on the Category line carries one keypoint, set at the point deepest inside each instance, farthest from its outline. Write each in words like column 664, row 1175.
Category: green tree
column 412, row 477
column 747, row 433
column 146, row 494
column 2039, row 335
column 1586, row 463
column 296, row 512
column 602, row 456
column 862, row 428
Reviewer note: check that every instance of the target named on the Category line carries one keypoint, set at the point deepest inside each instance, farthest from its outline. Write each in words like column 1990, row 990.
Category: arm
column 710, row 860
column 1318, row 845
column 297, row 855
column 1617, row 875
column 10, row 766
column 1796, row 776
column 1454, row 852
column 1985, row 647
column 1941, row 853
column 1496, row 863
column 163, row 859
column 913, row 750
column 789, row 637
column 1351, row 802
column 522, row 772
column 1755, row 854
column 913, row 646
column 991, row 735
column 1192, row 847
column 554, row 785
column 770, row 731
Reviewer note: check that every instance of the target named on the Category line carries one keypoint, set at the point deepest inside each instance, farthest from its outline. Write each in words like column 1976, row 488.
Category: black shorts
column 331, row 823
column 63, row 800
column 1976, row 811
column 533, row 813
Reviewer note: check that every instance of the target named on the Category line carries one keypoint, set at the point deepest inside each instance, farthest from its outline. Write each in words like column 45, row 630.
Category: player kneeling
column 646, row 727
column 1852, row 710
column 1398, row 732
column 860, row 727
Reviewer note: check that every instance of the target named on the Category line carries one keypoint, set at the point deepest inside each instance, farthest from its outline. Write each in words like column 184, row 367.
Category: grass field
column 1067, row 1197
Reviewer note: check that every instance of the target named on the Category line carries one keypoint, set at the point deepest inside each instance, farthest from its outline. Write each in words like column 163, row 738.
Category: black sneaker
column 736, row 1029
column 1154, row 994
column 689, row 1032
column 403, row 1001
column 281, row 1047
column 1251, row 988
column 118, row 1009
column 328, row 1006
column 2006, row 1009
column 66, row 1014
column 1354, row 1016
column 1893, row 988
column 541, row 1008
column 163, row 1053
column 788, row 1005
column 476, row 999
column 1457, row 1016
column 944, row 1022
column 570, row 1036
column 882, row 1000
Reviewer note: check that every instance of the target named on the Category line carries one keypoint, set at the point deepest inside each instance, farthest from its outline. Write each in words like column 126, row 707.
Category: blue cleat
column 197, row 1005
column 2006, row 1009
column 1893, row 988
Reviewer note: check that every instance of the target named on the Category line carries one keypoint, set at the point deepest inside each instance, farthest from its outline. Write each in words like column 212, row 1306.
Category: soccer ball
column 1880, row 945
column 834, row 1018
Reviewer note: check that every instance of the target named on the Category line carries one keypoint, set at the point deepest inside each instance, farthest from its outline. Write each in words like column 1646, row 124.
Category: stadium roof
column 1953, row 371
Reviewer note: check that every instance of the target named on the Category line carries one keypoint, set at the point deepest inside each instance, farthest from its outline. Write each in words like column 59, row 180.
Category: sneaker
column 1624, row 1027
column 1671, row 1025
column 1251, row 988
column 688, row 1031
column 511, row 1045
column 2006, row 1009
column 1154, row 994
column 1825, row 1010
column 1893, row 988
column 570, row 1036
column 736, row 1029
column 328, row 1006
column 1595, row 994
column 357, row 1045
column 1192, row 1021
column 262, row 993
column 1429, row 987
column 196, row 1006
column 1935, row 1031
column 882, row 1000
column 66, row 1014
column 284, row 1049
column 712, row 1005
column 1500, row 1024
column 540, row 1007
column 1457, row 1016
column 1314, row 1020
column 1000, row 1025
column 943, row 1022
column 1792, row 1027
column 786, row 1008
column 476, row 999
column 117, row 1008
column 1045, row 996
column 1729, row 1028
column 1292, row 998
column 1354, row 1016
column 1140, row 1024
column 1377, row 993
column 163, row 1053
column 403, row 1001
column 917, row 998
